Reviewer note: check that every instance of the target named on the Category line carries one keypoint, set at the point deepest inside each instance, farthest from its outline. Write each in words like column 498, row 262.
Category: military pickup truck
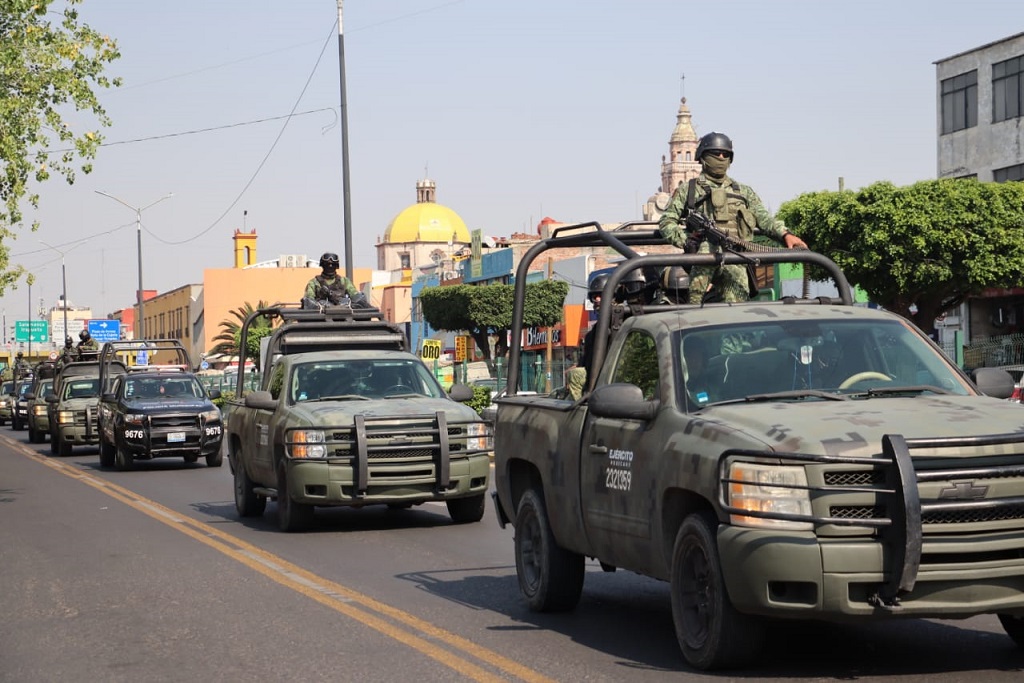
column 73, row 407
column 346, row 416
column 789, row 459
column 157, row 410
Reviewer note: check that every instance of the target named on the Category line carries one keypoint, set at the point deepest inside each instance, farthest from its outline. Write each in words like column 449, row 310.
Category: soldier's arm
column 350, row 288
column 311, row 289
column 673, row 222
column 768, row 224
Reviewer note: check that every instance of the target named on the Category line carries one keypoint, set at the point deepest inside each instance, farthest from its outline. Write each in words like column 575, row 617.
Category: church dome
column 427, row 222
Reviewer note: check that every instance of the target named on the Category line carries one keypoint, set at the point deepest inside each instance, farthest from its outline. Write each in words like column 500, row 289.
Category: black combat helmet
column 714, row 142
column 68, row 341
column 596, row 287
column 675, row 283
column 631, row 286
column 83, row 335
column 329, row 261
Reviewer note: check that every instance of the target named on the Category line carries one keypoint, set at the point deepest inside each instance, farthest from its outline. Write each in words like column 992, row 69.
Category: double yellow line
column 457, row 652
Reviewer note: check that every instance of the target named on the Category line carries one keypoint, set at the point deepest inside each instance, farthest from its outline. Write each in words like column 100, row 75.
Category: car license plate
column 176, row 437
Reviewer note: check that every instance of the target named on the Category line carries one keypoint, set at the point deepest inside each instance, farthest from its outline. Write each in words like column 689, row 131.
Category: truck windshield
column 869, row 358
column 362, row 379
column 81, row 388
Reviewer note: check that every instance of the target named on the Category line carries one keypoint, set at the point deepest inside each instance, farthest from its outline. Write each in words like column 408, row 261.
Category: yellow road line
column 353, row 604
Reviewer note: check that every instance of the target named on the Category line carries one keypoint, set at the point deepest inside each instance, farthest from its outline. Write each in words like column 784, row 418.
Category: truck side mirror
column 621, row 402
column 461, row 392
column 214, row 393
column 261, row 400
column 994, row 382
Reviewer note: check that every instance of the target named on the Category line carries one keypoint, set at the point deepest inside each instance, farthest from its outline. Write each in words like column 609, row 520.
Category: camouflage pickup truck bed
column 799, row 459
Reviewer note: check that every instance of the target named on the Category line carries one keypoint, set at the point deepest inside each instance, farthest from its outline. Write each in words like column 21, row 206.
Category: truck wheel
column 106, row 454
column 550, row 577
column 191, row 458
column 465, row 510
column 247, row 503
column 33, row 435
column 215, row 459
column 54, row 443
column 64, row 448
column 291, row 516
column 123, row 460
column 711, row 633
column 1014, row 627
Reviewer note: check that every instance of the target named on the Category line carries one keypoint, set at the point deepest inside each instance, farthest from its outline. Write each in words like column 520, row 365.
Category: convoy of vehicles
column 346, row 416
column 155, row 410
column 792, row 459
column 6, row 402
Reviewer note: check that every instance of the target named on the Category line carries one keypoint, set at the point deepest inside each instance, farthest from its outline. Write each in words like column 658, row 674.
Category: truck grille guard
column 409, row 438
column 901, row 531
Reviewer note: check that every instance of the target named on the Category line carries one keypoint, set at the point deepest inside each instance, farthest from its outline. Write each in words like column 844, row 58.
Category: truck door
column 619, row 461
column 262, row 451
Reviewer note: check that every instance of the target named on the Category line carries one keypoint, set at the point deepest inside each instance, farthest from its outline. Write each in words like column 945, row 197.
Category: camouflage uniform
column 332, row 289
column 742, row 209
column 88, row 348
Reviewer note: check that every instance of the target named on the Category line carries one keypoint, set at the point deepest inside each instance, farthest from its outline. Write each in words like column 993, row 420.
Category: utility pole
column 345, row 187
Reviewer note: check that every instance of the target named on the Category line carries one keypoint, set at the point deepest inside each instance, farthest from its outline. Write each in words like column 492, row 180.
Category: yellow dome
column 427, row 222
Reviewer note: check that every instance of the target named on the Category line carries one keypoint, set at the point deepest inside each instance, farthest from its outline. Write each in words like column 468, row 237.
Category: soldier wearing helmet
column 68, row 353
column 576, row 379
column 675, row 285
column 736, row 210
column 329, row 286
column 88, row 348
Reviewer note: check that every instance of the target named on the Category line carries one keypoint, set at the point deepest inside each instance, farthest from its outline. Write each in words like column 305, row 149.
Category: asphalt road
column 150, row 576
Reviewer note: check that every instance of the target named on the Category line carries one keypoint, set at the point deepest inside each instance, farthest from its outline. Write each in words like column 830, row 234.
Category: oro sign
column 431, row 349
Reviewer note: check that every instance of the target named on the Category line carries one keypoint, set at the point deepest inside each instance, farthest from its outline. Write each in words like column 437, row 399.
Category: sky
column 517, row 110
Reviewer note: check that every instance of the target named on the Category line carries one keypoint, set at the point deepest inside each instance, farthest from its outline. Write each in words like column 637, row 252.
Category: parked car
column 1017, row 372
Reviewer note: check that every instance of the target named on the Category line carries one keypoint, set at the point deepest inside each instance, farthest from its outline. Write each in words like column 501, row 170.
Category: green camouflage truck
column 346, row 416
column 788, row 459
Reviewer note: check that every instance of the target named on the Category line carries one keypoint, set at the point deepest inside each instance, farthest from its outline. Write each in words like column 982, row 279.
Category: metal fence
column 537, row 375
column 229, row 383
column 987, row 352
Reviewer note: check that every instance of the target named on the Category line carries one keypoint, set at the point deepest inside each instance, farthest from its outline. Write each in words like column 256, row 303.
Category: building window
column 1007, row 89
column 1001, row 175
column 960, row 102
column 405, row 260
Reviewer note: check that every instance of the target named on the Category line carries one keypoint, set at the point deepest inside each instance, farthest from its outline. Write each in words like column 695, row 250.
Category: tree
column 230, row 336
column 918, row 250
column 487, row 310
column 46, row 68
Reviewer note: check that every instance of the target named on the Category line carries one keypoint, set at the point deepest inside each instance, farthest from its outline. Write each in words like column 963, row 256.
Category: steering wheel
column 399, row 389
column 861, row 376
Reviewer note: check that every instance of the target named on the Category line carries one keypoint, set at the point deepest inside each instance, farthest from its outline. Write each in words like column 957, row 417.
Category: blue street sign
column 105, row 330
column 142, row 357
column 204, row 365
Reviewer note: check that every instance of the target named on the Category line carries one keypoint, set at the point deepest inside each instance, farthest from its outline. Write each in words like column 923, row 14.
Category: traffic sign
column 31, row 330
column 142, row 357
column 105, row 330
column 53, row 355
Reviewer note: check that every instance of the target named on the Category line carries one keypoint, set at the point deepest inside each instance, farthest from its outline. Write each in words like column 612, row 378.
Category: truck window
column 638, row 364
column 276, row 380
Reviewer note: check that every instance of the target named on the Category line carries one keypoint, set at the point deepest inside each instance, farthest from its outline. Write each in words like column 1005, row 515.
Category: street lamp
column 63, row 284
column 138, row 240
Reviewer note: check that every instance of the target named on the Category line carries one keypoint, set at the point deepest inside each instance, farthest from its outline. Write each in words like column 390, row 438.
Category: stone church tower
column 681, row 165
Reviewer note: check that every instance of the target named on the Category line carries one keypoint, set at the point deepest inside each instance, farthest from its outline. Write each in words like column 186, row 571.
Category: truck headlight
column 479, row 437
column 65, row 417
column 134, row 418
column 307, row 443
column 39, row 410
column 210, row 415
column 770, row 489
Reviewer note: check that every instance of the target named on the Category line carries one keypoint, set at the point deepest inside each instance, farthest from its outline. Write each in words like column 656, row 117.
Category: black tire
column 33, row 435
column 54, row 443
column 64, row 448
column 1014, row 627
column 291, row 516
column 123, row 459
column 550, row 577
column 16, row 424
column 106, row 454
column 191, row 458
column 466, row 510
column 711, row 633
column 215, row 459
column 247, row 503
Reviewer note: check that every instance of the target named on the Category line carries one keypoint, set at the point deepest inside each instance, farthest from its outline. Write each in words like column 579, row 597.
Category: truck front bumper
column 798, row 575
column 334, row 482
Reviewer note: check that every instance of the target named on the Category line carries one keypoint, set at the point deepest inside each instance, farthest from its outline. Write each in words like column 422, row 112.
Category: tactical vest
column 729, row 210
column 333, row 291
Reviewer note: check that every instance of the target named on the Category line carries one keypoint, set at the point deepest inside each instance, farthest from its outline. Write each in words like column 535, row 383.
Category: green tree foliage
column 48, row 68
column 928, row 245
column 486, row 310
column 230, row 336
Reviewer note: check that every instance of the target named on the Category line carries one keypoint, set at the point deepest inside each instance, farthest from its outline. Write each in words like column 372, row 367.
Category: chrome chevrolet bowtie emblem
column 964, row 490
